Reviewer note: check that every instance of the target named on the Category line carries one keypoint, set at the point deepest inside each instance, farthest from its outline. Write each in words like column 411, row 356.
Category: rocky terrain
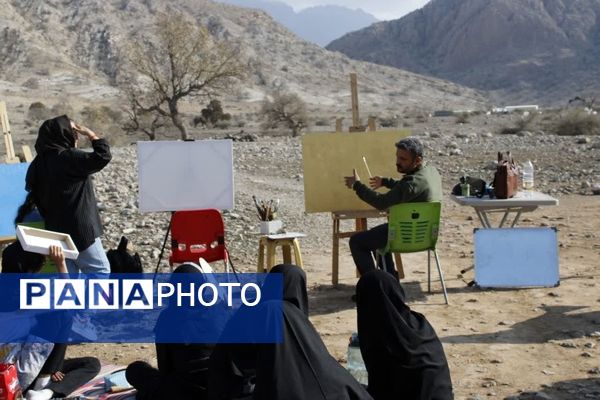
column 540, row 343
column 519, row 51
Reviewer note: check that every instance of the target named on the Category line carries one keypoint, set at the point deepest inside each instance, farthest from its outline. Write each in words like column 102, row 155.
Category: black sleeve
column 83, row 163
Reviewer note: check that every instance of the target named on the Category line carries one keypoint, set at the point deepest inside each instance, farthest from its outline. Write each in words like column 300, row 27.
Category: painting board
column 12, row 195
column 516, row 257
column 328, row 157
column 185, row 175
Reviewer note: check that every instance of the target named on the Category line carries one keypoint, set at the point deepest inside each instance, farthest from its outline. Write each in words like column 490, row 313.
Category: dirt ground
column 526, row 343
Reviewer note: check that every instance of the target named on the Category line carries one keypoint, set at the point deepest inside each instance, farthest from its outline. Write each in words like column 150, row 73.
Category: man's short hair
column 413, row 145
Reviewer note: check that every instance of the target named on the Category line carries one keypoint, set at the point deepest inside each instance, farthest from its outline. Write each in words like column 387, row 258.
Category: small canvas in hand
column 40, row 240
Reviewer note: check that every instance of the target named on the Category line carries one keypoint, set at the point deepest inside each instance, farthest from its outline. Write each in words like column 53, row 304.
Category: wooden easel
column 360, row 217
column 11, row 157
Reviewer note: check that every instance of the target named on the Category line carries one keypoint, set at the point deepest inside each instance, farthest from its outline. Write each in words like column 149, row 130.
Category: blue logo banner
column 141, row 308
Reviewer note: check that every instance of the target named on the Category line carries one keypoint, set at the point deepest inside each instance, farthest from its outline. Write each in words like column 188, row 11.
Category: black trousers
column 363, row 246
column 77, row 371
column 151, row 384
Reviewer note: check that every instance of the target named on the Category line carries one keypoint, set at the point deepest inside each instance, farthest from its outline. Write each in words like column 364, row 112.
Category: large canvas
column 328, row 157
column 177, row 175
column 12, row 195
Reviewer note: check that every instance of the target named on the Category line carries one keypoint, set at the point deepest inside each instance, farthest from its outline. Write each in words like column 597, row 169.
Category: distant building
column 508, row 109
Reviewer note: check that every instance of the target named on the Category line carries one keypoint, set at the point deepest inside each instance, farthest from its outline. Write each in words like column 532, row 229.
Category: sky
column 381, row 9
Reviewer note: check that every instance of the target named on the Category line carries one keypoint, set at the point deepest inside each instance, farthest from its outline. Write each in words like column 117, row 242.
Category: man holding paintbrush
column 420, row 183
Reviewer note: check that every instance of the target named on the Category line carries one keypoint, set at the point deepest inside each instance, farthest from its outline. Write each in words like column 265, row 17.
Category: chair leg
column 428, row 271
column 437, row 261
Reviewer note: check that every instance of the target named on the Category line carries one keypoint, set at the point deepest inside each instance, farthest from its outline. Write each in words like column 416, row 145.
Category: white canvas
column 516, row 257
column 177, row 175
column 39, row 241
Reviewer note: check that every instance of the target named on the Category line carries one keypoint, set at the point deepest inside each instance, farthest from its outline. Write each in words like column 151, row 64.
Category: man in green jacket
column 420, row 183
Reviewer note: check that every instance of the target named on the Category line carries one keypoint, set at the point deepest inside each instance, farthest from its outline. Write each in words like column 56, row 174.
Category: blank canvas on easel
column 178, row 175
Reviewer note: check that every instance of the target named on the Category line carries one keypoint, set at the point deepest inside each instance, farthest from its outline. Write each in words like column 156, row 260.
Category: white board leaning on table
column 185, row 175
column 516, row 257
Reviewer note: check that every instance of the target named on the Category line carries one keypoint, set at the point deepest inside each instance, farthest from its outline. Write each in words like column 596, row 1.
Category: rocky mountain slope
column 542, row 51
column 312, row 23
column 71, row 52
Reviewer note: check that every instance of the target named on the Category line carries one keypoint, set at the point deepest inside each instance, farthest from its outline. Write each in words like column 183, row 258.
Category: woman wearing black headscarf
column 402, row 353
column 183, row 366
column 298, row 368
column 59, row 180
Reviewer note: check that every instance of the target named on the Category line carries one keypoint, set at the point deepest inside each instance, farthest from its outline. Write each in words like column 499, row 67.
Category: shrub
column 38, row 111
column 578, row 123
column 462, row 118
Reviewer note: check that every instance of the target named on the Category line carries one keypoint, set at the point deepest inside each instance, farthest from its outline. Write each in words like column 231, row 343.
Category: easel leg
column 162, row 250
column 399, row 265
column 335, row 251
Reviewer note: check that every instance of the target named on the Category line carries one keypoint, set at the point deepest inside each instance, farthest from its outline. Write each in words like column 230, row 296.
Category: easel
column 360, row 217
column 11, row 157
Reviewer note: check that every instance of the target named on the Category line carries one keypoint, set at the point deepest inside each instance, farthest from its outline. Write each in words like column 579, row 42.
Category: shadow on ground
column 554, row 324
column 579, row 389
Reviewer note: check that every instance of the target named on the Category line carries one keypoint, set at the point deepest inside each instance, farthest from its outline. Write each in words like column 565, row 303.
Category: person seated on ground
column 402, row 353
column 420, row 183
column 57, row 377
column 182, row 368
column 300, row 367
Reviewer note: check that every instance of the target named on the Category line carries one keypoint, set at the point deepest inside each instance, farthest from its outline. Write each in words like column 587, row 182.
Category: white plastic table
column 522, row 202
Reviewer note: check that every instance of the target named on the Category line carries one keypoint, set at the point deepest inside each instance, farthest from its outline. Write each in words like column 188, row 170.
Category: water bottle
column 528, row 176
column 356, row 365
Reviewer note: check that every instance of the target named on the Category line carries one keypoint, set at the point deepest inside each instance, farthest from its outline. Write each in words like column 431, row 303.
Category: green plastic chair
column 414, row 227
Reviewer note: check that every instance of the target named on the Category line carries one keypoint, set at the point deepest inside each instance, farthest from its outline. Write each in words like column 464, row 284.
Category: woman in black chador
column 402, row 353
column 299, row 368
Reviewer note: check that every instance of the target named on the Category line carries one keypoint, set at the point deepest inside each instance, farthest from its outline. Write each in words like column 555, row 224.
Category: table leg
column 516, row 220
column 260, row 267
column 297, row 253
column 270, row 255
column 287, row 253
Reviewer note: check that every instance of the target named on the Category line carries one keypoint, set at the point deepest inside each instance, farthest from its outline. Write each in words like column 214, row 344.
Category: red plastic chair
column 198, row 233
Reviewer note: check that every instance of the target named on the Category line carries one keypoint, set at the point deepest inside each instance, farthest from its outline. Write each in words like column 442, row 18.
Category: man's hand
column 375, row 182
column 350, row 180
column 58, row 257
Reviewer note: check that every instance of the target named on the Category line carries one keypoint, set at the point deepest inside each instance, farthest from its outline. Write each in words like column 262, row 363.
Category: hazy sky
column 382, row 9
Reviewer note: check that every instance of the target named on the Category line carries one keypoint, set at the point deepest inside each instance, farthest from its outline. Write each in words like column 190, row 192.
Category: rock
column 594, row 371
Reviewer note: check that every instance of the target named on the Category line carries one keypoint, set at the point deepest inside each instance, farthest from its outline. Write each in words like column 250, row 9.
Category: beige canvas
column 328, row 157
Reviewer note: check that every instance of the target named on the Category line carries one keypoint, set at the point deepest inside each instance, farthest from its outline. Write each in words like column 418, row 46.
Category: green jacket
column 424, row 184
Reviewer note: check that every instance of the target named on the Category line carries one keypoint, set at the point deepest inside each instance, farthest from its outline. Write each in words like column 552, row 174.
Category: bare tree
column 184, row 61
column 285, row 110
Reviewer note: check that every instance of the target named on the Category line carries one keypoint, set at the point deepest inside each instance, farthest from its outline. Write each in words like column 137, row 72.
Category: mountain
column 314, row 23
column 542, row 51
column 71, row 53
